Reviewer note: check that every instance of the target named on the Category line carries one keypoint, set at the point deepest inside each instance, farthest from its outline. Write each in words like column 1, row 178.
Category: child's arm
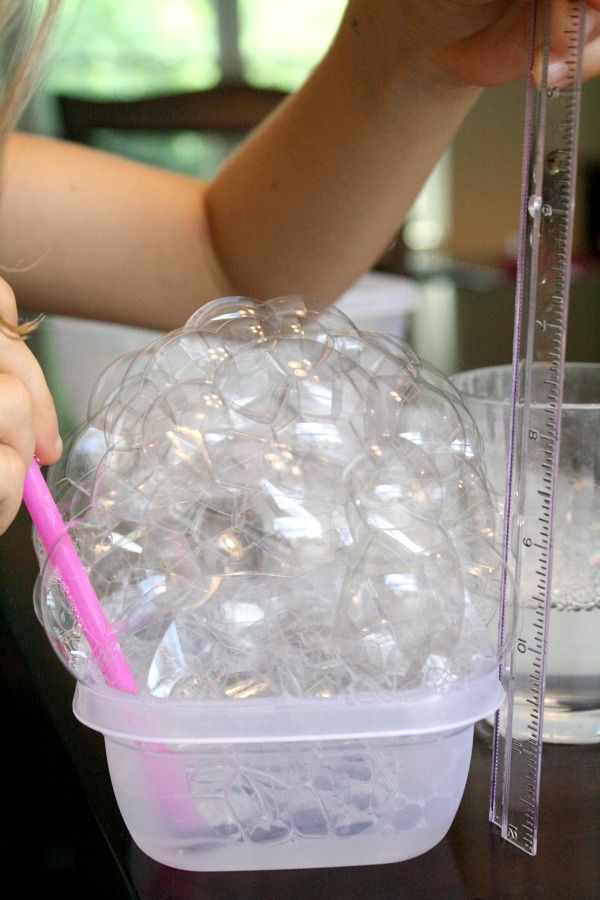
column 305, row 206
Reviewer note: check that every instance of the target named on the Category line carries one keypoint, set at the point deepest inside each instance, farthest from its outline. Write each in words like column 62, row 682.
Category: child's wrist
column 390, row 61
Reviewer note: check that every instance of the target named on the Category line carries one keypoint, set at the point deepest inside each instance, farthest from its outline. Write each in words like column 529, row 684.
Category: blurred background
column 178, row 83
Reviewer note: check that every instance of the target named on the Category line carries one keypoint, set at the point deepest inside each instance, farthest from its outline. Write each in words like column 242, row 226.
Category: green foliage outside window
column 281, row 39
column 121, row 49
column 129, row 48
column 115, row 49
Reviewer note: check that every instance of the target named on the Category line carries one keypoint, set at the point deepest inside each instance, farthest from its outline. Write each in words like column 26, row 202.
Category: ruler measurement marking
column 542, row 296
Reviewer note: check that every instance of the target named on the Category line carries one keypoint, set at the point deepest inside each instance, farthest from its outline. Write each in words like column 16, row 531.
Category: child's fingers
column 561, row 36
column 17, row 360
column 12, row 474
column 591, row 59
column 17, row 441
column 16, row 417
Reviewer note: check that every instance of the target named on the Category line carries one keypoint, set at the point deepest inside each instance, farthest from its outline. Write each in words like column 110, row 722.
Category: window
column 107, row 49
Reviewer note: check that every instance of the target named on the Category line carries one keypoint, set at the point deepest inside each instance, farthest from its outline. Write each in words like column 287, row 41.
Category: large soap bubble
column 272, row 501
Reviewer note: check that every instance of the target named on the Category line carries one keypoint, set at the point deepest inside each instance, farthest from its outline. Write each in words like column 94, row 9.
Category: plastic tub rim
column 132, row 718
column 457, row 378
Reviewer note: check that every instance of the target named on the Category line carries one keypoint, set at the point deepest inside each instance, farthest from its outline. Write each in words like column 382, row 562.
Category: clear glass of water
column 572, row 699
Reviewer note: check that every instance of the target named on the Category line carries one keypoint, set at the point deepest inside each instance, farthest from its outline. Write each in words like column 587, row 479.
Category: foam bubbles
column 270, row 501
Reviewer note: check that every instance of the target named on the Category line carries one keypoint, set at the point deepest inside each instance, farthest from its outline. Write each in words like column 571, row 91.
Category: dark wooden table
column 63, row 829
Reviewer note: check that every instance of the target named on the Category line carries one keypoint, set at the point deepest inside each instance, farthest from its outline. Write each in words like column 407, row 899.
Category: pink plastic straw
column 77, row 586
column 171, row 782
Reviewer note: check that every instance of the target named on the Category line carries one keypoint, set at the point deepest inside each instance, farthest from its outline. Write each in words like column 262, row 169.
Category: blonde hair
column 24, row 28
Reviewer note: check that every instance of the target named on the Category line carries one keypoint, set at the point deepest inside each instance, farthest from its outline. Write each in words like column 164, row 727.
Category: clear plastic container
column 280, row 783
column 572, row 690
column 288, row 537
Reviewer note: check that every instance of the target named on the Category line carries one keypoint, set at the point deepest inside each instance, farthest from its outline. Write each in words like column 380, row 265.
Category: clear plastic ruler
column 542, row 296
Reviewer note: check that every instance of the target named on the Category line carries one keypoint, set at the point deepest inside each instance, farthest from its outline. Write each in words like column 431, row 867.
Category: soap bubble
column 271, row 501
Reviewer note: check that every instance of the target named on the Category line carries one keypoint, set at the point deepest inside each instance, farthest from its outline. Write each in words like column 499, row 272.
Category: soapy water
column 271, row 501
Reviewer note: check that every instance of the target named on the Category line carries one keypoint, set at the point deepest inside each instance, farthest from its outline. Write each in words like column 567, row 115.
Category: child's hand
column 477, row 42
column 28, row 420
